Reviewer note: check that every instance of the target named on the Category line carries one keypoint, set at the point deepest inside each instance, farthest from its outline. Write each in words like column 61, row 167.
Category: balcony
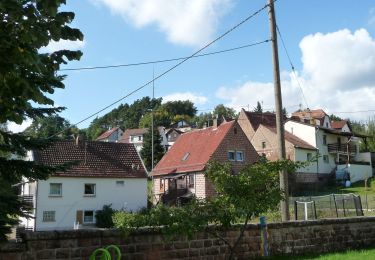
column 28, row 199
column 342, row 149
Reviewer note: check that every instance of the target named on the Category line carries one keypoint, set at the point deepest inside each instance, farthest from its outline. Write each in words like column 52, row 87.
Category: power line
column 170, row 69
column 353, row 112
column 166, row 60
column 291, row 64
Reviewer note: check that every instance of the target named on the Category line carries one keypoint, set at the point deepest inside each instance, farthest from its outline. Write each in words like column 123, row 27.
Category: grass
column 348, row 255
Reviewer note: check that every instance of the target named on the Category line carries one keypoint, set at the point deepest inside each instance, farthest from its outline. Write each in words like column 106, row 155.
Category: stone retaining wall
column 293, row 238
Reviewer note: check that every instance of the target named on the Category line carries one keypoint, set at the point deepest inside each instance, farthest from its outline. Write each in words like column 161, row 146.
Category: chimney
column 78, row 139
column 214, row 122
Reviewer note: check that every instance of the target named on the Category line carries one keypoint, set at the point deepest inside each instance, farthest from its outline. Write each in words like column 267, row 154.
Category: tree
column 45, row 127
column 258, row 108
column 333, row 117
column 251, row 192
column 368, row 130
column 221, row 110
column 26, row 77
column 146, row 152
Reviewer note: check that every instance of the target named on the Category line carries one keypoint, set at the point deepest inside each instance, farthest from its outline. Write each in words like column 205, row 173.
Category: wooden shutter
column 79, row 217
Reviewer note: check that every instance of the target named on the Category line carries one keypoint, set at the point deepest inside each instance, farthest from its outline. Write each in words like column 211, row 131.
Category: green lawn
column 349, row 255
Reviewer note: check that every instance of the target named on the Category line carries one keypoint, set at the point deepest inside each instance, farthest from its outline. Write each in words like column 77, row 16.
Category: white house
column 104, row 173
column 338, row 149
column 111, row 135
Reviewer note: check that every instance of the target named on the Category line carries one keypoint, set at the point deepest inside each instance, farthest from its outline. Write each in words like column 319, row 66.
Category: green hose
column 105, row 254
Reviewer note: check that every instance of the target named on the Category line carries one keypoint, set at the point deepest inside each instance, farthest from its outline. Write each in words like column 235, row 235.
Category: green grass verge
column 348, row 255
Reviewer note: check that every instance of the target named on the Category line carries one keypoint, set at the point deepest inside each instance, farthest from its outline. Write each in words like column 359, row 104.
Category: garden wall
column 294, row 238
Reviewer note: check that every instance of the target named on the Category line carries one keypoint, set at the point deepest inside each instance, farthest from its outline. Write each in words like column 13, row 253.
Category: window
column 239, row 156
column 89, row 189
column 263, row 145
column 324, row 139
column 231, row 156
column 55, row 189
column 325, row 158
column 49, row 216
column 140, row 138
column 120, row 183
column 88, row 216
column 235, row 130
column 309, row 156
column 191, row 180
column 186, row 156
column 132, row 138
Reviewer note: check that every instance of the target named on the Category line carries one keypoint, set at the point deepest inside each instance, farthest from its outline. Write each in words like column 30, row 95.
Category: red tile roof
column 131, row 132
column 257, row 118
column 315, row 113
column 196, row 146
column 107, row 133
column 338, row 124
column 96, row 159
column 296, row 141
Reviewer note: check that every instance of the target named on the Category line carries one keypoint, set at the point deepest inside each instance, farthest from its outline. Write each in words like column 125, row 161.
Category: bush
column 104, row 217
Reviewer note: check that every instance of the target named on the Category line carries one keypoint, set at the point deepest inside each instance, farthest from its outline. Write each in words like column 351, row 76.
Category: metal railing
column 342, row 148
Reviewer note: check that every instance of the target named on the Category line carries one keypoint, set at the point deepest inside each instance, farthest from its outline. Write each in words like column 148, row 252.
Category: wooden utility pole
column 279, row 112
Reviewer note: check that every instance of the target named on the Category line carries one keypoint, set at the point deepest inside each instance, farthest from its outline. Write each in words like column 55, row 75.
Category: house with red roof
column 111, row 135
column 180, row 173
column 104, row 173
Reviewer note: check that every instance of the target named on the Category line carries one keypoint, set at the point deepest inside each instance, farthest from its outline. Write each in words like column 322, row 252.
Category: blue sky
column 331, row 44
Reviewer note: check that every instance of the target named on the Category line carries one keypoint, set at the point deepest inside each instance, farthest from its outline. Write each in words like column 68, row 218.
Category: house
column 135, row 137
column 105, row 173
column 171, row 135
column 180, row 173
column 250, row 121
column 337, row 145
column 111, row 135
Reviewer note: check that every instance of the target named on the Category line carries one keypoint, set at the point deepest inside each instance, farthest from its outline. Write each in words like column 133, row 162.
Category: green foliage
column 241, row 197
column 258, row 108
column 27, row 78
column 218, row 112
column 146, row 152
column 125, row 116
column 367, row 129
column 104, row 217
column 45, row 127
column 333, row 117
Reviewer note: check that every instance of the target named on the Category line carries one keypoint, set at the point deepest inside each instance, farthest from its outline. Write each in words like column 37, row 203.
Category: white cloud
column 16, row 128
column 195, row 98
column 63, row 45
column 188, row 22
column 337, row 75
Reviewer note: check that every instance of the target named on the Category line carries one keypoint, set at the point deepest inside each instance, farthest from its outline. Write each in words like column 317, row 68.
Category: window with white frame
column 90, row 189
column 263, row 145
column 88, row 216
column 239, row 156
column 231, row 156
column 325, row 158
column 191, row 180
column 49, row 216
column 55, row 189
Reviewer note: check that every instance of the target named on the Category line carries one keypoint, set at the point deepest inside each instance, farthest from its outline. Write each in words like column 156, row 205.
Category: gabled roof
column 131, row 132
column 192, row 150
column 313, row 113
column 170, row 130
column 107, row 133
column 339, row 124
column 95, row 159
column 257, row 118
column 296, row 141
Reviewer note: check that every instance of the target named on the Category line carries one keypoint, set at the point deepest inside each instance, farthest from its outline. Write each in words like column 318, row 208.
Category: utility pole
column 152, row 120
column 279, row 113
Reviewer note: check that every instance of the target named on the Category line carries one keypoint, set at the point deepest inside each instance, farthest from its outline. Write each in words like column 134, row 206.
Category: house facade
column 111, row 135
column 180, row 173
column 338, row 149
column 135, row 137
column 103, row 173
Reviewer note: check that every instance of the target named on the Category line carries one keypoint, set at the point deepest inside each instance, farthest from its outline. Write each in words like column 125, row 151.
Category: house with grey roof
column 104, row 173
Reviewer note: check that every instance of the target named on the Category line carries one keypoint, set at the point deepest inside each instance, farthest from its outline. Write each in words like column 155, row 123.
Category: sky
column 330, row 43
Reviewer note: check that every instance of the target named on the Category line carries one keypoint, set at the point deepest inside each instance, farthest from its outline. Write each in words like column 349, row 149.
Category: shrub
column 104, row 217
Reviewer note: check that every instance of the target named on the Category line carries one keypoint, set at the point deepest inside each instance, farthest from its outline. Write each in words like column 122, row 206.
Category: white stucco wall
column 301, row 155
column 131, row 196
column 303, row 131
column 357, row 172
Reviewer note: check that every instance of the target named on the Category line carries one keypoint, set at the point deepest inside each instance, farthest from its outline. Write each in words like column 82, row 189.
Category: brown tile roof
column 257, row 118
column 197, row 146
column 107, row 133
column 296, row 141
column 96, row 159
column 338, row 124
column 130, row 132
column 314, row 113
